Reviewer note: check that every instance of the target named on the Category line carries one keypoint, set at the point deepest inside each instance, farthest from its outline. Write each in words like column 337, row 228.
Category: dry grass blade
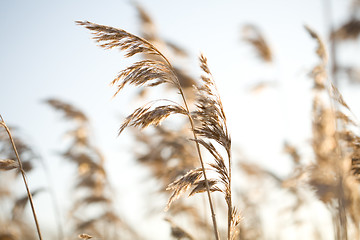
column 211, row 149
column 150, row 72
column 201, row 187
column 178, row 232
column 183, row 184
column 321, row 50
column 8, row 164
column 69, row 111
column 220, row 168
column 210, row 112
column 345, row 118
column 318, row 72
column 252, row 35
column 109, row 37
column 337, row 96
column 144, row 116
column 85, row 236
column 148, row 30
column 237, row 218
column 350, row 30
column 95, row 199
column 355, row 167
column 186, row 82
column 293, row 152
column 176, row 49
column 85, row 161
column 144, row 16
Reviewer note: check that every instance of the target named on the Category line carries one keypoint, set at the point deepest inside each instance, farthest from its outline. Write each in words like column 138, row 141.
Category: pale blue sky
column 44, row 54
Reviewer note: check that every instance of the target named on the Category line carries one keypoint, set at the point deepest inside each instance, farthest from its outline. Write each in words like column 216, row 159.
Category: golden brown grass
column 196, row 156
column 332, row 175
column 209, row 114
column 254, row 37
column 92, row 188
column 9, row 164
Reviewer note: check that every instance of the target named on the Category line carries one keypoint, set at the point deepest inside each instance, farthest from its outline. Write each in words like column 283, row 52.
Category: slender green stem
column 2, row 123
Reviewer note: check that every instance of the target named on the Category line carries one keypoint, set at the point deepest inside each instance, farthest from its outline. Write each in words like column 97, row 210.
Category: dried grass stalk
column 29, row 196
column 212, row 127
column 144, row 116
column 146, row 72
column 335, row 148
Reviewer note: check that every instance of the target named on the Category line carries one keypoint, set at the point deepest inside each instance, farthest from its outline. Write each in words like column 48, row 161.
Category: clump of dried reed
column 335, row 144
column 209, row 114
column 335, row 148
column 13, row 148
column 92, row 188
column 168, row 153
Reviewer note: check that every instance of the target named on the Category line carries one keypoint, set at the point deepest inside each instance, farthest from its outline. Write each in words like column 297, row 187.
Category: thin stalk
column 341, row 225
column 229, row 200
column 341, row 210
column 228, row 196
column 216, row 232
column 2, row 123
column 213, row 216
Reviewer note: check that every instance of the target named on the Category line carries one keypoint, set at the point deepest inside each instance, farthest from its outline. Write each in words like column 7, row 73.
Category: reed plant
column 196, row 155
column 92, row 189
column 10, row 164
column 209, row 114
